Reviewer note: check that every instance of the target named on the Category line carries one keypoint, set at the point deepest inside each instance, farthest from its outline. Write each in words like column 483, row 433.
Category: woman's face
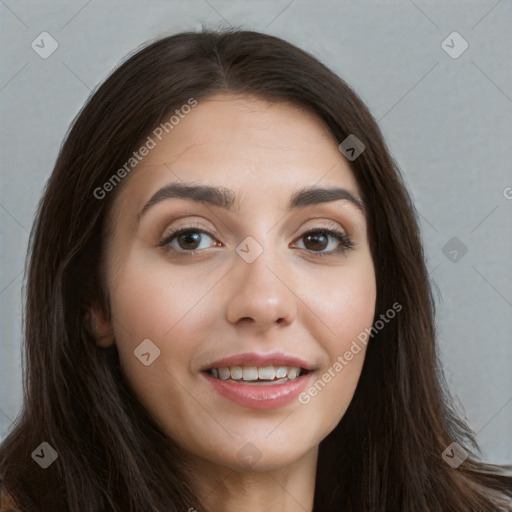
column 272, row 277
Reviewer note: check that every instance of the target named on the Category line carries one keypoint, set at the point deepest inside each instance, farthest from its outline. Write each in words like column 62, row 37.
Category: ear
column 100, row 325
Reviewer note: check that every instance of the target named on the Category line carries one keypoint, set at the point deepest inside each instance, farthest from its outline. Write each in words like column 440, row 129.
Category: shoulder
column 7, row 501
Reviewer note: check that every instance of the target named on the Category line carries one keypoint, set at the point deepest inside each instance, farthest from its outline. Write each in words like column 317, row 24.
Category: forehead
column 275, row 123
column 257, row 147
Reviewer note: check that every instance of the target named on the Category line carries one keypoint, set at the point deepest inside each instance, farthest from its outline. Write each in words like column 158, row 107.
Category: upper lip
column 254, row 359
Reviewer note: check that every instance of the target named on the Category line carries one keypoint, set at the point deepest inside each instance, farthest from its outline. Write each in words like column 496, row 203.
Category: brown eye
column 188, row 240
column 318, row 240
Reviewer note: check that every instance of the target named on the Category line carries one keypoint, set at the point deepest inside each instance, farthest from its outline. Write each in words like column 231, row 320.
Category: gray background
column 447, row 122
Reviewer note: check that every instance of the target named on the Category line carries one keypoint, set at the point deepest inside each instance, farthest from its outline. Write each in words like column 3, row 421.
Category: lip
column 254, row 359
column 259, row 396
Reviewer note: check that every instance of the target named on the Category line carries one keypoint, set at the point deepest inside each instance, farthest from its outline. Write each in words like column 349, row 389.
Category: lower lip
column 260, row 396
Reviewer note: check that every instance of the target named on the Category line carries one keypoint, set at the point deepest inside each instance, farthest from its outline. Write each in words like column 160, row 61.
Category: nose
column 262, row 294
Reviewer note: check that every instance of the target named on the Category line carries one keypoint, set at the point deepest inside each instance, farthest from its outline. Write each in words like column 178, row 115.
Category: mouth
column 257, row 375
column 259, row 381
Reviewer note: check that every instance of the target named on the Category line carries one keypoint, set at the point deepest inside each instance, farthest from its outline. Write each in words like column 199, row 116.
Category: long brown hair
column 384, row 455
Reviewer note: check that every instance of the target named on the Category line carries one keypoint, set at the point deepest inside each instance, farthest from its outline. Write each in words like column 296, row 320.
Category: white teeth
column 281, row 372
column 267, row 373
column 253, row 373
column 293, row 373
column 224, row 373
column 236, row 372
column 250, row 373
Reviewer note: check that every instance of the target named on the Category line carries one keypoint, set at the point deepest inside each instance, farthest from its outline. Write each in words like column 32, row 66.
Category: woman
column 228, row 306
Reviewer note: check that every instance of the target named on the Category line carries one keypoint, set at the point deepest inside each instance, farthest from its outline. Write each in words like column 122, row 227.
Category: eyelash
column 345, row 241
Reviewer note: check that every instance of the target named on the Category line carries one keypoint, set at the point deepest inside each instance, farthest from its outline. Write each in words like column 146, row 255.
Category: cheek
column 343, row 304
column 151, row 301
column 148, row 303
column 341, row 309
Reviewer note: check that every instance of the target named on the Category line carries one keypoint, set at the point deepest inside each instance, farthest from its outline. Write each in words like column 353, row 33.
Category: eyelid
column 324, row 225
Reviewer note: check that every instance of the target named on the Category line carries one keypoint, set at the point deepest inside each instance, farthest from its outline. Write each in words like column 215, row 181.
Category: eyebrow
column 225, row 198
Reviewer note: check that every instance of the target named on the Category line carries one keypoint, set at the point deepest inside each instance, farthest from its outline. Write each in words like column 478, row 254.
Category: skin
column 199, row 308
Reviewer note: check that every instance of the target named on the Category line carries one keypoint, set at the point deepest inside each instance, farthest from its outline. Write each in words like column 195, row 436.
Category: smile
column 259, row 381
column 257, row 375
